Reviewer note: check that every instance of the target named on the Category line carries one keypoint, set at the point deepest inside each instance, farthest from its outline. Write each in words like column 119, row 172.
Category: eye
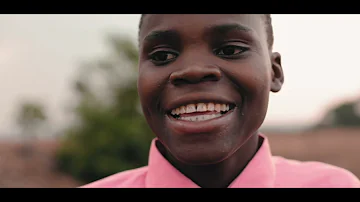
column 230, row 51
column 162, row 57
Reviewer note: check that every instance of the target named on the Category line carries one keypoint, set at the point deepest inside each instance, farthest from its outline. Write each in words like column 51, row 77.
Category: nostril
column 195, row 74
column 180, row 81
column 210, row 77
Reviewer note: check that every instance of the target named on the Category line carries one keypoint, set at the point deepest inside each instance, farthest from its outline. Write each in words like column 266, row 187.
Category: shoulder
column 313, row 174
column 134, row 178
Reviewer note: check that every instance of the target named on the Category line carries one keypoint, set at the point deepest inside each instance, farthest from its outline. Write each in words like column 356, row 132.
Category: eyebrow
column 169, row 35
column 162, row 35
column 225, row 28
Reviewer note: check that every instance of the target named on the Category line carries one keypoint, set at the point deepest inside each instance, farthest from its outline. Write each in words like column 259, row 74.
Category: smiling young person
column 204, row 84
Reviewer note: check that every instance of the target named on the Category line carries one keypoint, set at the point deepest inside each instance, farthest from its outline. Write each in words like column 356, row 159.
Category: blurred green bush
column 110, row 133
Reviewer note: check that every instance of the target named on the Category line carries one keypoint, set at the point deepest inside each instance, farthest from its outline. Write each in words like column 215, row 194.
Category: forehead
column 195, row 24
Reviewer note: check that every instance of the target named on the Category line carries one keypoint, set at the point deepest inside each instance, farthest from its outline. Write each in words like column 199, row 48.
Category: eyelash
column 160, row 53
column 238, row 49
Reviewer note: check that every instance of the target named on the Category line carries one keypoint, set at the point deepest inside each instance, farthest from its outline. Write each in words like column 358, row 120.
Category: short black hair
column 267, row 21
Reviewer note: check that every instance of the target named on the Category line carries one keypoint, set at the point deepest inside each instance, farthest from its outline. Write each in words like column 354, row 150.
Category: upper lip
column 196, row 98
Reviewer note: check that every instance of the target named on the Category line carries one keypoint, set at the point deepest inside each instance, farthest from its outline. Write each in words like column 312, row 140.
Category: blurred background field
column 336, row 146
column 69, row 112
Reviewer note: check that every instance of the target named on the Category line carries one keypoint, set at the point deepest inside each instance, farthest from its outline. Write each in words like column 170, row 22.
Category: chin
column 202, row 143
column 204, row 153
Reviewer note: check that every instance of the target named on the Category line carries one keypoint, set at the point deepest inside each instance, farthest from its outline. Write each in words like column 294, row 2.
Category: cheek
column 143, row 85
column 252, row 77
column 150, row 85
column 258, row 84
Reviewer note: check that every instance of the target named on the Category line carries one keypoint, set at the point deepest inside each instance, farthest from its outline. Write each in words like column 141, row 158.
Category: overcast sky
column 39, row 55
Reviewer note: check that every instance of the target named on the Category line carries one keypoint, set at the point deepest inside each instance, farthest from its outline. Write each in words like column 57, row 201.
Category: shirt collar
column 259, row 173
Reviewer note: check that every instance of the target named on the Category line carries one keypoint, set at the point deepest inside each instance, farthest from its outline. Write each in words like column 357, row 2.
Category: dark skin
column 188, row 59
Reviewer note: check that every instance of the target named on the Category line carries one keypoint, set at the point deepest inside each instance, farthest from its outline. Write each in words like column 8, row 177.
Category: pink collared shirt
column 263, row 171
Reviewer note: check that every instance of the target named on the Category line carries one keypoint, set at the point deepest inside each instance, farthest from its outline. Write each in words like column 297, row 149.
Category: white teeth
column 217, row 107
column 210, row 106
column 200, row 107
column 223, row 107
column 190, row 108
column 182, row 110
column 200, row 117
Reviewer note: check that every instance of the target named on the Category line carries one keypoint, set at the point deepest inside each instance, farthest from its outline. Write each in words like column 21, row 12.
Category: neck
column 222, row 174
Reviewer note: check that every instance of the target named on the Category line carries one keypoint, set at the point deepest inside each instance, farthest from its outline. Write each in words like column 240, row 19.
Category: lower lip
column 196, row 127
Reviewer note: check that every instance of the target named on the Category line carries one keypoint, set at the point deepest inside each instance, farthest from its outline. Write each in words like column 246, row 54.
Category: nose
column 195, row 74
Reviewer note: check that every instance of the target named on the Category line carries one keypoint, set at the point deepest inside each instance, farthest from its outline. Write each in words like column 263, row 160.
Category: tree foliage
column 30, row 116
column 347, row 114
column 111, row 134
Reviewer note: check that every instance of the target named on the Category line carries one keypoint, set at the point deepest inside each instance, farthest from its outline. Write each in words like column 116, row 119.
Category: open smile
column 201, row 111
column 194, row 115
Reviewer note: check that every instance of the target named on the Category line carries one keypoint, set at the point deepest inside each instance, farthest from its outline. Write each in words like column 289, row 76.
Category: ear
column 277, row 74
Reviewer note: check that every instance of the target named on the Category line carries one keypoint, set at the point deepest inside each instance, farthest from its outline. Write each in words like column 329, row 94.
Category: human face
column 204, row 82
